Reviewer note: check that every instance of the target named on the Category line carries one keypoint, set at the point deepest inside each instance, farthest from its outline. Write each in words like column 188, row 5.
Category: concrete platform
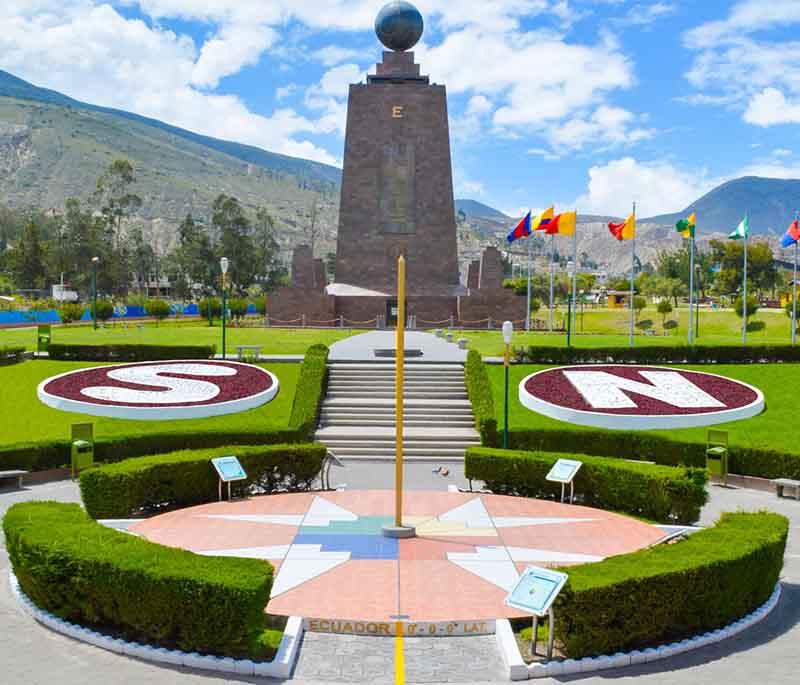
column 362, row 348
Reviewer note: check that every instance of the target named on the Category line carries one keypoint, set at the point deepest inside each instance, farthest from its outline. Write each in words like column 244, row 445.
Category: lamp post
column 223, row 265
column 508, row 331
column 95, row 260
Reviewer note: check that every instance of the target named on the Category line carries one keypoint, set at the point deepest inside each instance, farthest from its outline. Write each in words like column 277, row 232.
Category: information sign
column 229, row 469
column 564, row 471
column 536, row 590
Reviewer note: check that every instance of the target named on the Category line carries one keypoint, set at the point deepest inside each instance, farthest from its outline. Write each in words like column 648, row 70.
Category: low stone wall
column 500, row 305
column 289, row 304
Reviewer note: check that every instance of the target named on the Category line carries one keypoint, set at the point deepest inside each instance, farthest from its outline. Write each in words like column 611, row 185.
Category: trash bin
column 43, row 339
column 717, row 464
column 82, row 456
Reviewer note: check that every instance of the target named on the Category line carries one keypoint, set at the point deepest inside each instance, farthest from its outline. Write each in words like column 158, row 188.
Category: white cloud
column 657, row 187
column 770, row 107
column 609, row 126
column 329, row 96
column 748, row 16
column 645, row 15
column 331, row 55
column 782, row 152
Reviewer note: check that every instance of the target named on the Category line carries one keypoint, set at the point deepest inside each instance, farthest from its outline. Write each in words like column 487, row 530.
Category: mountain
column 769, row 202
column 480, row 210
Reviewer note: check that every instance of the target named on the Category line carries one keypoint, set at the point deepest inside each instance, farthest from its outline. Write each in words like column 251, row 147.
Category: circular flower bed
column 638, row 397
column 161, row 391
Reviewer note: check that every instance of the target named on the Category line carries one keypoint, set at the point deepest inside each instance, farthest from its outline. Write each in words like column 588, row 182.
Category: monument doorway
column 391, row 311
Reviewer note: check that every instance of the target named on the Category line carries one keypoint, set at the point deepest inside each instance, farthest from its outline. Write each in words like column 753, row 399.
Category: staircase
column 358, row 415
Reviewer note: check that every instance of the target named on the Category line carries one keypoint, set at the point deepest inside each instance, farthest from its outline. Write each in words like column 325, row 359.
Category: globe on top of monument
column 399, row 26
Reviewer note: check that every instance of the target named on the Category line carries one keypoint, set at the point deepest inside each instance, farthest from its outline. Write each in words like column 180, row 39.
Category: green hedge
column 92, row 575
column 55, row 454
column 11, row 354
column 479, row 391
column 641, row 445
column 181, row 479
column 658, row 354
column 310, row 391
column 128, row 353
column 672, row 592
column 661, row 493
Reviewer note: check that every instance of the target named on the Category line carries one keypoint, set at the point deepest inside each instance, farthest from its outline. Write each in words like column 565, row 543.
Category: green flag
column 742, row 230
column 686, row 226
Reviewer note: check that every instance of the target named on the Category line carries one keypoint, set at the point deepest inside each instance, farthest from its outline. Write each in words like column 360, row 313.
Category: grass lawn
column 272, row 340
column 24, row 418
column 771, row 429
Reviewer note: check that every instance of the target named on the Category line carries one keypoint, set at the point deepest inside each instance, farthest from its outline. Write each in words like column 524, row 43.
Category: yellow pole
column 398, row 391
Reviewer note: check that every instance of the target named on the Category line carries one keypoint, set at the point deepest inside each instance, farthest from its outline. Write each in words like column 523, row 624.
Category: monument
column 397, row 198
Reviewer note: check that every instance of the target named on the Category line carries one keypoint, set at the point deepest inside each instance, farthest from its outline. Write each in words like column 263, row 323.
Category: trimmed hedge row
column 672, row 592
column 479, row 391
column 11, row 354
column 182, row 479
column 310, row 391
column 92, row 575
column 657, row 354
column 661, row 493
column 128, row 353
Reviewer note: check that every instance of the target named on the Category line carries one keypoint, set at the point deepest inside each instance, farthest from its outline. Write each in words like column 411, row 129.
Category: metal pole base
column 399, row 532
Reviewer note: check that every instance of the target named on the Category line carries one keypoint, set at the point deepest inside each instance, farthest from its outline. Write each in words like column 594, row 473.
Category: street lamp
column 223, row 265
column 508, row 331
column 95, row 260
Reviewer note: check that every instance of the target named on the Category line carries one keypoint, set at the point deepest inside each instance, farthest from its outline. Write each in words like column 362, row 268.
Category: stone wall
column 500, row 305
column 289, row 304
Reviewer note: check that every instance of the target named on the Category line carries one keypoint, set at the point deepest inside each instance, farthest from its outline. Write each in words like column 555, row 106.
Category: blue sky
column 584, row 103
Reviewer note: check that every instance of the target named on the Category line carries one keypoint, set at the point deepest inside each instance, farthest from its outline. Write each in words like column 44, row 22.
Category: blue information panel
column 536, row 590
column 229, row 469
column 564, row 471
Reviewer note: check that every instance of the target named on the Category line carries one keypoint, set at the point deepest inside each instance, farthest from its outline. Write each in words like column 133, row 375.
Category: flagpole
column 691, row 289
column 633, row 274
column 528, row 310
column 574, row 275
column 552, row 254
column 744, row 288
column 794, row 291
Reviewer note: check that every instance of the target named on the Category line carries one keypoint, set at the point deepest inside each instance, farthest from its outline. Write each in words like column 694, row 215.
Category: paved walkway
column 362, row 348
column 769, row 654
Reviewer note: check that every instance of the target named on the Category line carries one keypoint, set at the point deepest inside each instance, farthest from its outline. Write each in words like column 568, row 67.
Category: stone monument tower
column 397, row 185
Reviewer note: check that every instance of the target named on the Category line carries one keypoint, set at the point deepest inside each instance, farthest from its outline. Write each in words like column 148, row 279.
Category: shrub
column 661, row 493
column 129, row 353
column 665, row 309
column 672, row 592
column 186, row 478
column 84, row 572
column 158, row 309
column 479, row 390
column 752, row 306
column 214, row 304
column 237, row 308
column 260, row 303
column 310, row 391
column 70, row 311
column 11, row 354
column 105, row 310
column 658, row 354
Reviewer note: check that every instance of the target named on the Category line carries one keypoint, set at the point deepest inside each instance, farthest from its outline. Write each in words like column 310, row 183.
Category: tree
column 214, row 304
column 536, row 305
column 762, row 273
column 665, row 309
column 29, row 259
column 235, row 240
column 752, row 307
column 237, row 308
column 639, row 303
column 105, row 310
column 157, row 309
column 270, row 268
column 70, row 312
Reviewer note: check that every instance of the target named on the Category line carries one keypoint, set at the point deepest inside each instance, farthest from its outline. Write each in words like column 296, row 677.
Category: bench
column 13, row 475
column 248, row 353
column 782, row 484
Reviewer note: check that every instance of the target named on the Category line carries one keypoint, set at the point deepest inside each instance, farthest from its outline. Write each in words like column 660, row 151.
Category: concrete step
column 387, row 453
column 382, row 458
column 369, row 421
column 390, row 416
column 467, row 433
column 408, row 387
column 415, row 373
column 383, row 366
column 388, row 445
column 384, row 403
column 384, row 395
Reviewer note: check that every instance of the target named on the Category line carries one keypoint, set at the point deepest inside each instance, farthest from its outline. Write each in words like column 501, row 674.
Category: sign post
column 563, row 472
column 535, row 592
column 229, row 470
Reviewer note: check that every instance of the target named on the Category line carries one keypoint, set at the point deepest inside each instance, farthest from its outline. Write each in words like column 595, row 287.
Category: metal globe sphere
column 399, row 26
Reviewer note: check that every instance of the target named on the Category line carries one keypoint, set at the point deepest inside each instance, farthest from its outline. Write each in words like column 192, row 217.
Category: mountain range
column 53, row 147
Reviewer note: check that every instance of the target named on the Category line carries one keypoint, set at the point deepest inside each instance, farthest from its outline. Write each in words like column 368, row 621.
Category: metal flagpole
column 573, row 315
column 552, row 254
column 528, row 310
column 744, row 288
column 633, row 274
column 794, row 292
column 691, row 289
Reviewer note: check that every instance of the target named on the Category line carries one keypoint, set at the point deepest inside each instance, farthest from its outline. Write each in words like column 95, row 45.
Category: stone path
column 349, row 658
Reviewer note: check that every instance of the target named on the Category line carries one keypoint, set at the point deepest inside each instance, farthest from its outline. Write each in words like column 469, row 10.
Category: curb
column 280, row 667
column 519, row 670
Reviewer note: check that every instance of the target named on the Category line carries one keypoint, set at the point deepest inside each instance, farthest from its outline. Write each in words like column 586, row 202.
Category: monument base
column 399, row 532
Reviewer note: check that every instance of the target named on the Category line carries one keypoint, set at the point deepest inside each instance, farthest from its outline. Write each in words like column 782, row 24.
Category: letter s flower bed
column 73, row 567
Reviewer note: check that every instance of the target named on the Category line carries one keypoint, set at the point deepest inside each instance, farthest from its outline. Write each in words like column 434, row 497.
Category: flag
column 686, row 226
column 522, row 229
column 792, row 234
column 540, row 222
column 563, row 224
column 624, row 231
column 742, row 230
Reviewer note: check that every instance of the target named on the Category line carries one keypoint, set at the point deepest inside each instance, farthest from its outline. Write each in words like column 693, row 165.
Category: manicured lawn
column 272, row 340
column 25, row 419
column 774, row 428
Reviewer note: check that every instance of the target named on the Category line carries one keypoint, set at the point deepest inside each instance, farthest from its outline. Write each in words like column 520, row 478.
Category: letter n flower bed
column 73, row 567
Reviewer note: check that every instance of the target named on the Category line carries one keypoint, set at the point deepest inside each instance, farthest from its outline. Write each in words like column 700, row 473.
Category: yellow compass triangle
column 433, row 527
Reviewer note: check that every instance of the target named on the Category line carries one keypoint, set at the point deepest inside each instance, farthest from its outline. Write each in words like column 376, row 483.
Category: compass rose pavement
column 332, row 560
